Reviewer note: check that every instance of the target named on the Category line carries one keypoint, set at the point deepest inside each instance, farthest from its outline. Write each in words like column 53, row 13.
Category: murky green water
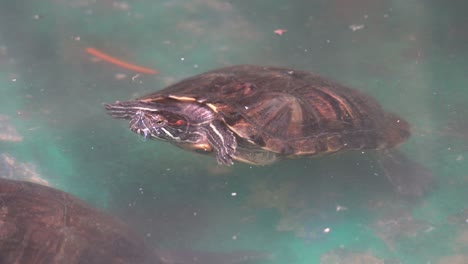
column 410, row 55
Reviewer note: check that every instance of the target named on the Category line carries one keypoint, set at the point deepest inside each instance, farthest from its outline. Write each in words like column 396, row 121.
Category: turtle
column 43, row 225
column 259, row 114
column 40, row 224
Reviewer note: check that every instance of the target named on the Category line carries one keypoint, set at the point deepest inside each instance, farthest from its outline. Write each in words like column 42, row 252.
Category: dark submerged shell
column 39, row 224
column 290, row 112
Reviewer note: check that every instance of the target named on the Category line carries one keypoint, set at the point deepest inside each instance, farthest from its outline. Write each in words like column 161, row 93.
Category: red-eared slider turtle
column 41, row 225
column 259, row 114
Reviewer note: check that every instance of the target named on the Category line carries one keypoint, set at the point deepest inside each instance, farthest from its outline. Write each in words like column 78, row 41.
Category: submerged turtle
column 257, row 114
column 39, row 224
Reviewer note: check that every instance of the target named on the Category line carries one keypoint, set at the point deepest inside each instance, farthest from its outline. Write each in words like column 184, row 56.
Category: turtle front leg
column 222, row 140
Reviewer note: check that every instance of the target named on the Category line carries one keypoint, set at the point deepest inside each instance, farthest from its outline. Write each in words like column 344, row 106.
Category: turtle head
column 152, row 121
column 189, row 126
column 160, row 124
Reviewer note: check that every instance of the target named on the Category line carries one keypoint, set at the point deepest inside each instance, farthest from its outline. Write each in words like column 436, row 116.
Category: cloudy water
column 61, row 60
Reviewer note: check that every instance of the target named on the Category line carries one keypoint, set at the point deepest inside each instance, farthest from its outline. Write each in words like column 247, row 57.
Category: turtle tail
column 397, row 130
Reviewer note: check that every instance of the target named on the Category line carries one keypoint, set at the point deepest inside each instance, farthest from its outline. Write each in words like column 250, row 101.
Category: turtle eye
column 179, row 122
column 159, row 120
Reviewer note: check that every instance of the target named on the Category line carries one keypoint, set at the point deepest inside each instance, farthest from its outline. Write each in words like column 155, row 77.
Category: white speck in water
column 246, row 107
column 13, row 80
column 182, row 59
column 290, row 72
column 328, row 41
column 356, row 27
column 148, row 234
column 77, row 38
column 195, row 213
column 195, row 66
column 134, row 77
column 234, row 237
column 120, row 76
column 340, row 208
column 326, row 230
column 233, row 194
column 363, row 152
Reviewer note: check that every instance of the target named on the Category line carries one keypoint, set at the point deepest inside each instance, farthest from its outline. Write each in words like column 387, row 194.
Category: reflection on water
column 410, row 56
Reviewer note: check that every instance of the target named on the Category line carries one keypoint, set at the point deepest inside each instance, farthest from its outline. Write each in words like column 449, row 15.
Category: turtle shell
column 288, row 112
column 39, row 224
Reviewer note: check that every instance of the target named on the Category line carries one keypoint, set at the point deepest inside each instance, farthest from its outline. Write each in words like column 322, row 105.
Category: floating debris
column 123, row 64
column 7, row 131
column 280, row 31
column 120, row 76
column 340, row 208
column 356, row 27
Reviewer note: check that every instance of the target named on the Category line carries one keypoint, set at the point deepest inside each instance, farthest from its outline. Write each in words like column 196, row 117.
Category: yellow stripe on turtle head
column 182, row 98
